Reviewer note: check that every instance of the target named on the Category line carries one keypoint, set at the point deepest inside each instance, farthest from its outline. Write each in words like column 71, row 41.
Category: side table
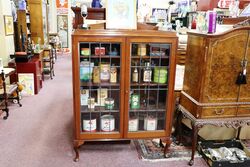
column 197, row 124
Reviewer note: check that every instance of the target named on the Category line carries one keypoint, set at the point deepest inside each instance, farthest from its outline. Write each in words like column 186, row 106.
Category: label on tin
column 89, row 125
column 107, row 123
column 133, row 124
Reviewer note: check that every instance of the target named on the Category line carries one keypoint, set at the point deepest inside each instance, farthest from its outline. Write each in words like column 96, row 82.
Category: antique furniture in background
column 7, row 91
column 93, row 13
column 216, row 81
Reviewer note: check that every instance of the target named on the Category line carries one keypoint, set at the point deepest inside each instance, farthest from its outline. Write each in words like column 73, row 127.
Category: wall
column 6, row 42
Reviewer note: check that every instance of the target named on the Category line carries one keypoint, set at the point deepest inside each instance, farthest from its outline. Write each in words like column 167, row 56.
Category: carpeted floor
column 39, row 134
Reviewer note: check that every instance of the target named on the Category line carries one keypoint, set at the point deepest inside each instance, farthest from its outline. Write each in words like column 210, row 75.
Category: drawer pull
column 219, row 112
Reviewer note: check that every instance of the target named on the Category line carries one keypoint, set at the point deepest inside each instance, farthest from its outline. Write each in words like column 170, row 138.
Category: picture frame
column 121, row 14
column 8, row 25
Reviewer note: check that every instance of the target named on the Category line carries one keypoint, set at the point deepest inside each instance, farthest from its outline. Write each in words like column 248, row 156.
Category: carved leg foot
column 77, row 144
column 76, row 159
column 168, row 143
column 191, row 162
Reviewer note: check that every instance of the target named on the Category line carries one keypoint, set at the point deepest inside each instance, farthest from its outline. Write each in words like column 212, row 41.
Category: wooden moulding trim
column 213, row 104
column 219, row 34
column 125, row 33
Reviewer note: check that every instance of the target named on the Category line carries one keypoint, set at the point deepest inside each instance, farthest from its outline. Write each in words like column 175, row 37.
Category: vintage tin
column 89, row 125
column 113, row 75
column 160, row 75
column 85, row 51
column 91, row 103
column 84, row 97
column 150, row 123
column 99, row 51
column 96, row 75
column 133, row 124
column 135, row 101
column 109, row 103
column 107, row 123
column 104, row 72
column 142, row 51
column 86, row 69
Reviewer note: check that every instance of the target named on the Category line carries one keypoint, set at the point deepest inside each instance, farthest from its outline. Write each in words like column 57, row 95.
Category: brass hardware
column 219, row 112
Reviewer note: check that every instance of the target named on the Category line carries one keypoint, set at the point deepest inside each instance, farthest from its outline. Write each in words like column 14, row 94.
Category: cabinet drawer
column 216, row 112
column 243, row 111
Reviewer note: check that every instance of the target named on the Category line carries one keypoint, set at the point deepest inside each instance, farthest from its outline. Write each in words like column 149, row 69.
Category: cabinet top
column 125, row 33
column 223, row 30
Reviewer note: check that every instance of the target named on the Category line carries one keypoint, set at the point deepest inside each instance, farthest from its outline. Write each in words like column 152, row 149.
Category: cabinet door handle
column 219, row 112
column 126, row 91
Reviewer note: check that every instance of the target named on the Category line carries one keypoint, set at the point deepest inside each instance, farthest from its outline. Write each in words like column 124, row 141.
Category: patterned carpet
column 153, row 151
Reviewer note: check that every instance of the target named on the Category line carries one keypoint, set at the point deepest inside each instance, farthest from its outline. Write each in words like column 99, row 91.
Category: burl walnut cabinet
column 216, row 88
column 123, row 84
column 217, row 82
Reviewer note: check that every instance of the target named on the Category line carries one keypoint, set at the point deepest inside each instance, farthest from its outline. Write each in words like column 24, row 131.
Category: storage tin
column 89, row 125
column 107, row 123
column 133, row 124
column 104, row 72
column 150, row 123
column 160, row 75
column 109, row 103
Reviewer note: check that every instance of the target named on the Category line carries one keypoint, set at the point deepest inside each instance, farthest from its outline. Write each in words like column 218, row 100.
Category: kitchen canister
column 85, row 51
column 142, row 51
column 160, row 75
column 133, row 124
column 104, row 72
column 109, row 103
column 86, row 69
column 89, row 125
column 107, row 123
column 135, row 101
column 91, row 103
column 150, row 123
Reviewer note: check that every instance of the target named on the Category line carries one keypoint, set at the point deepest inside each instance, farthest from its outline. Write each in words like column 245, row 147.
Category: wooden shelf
column 89, row 84
column 98, row 109
column 149, row 57
column 101, row 57
column 148, row 84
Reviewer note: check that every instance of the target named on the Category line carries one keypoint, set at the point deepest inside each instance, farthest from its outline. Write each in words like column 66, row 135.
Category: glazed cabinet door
column 148, row 76
column 98, row 87
column 224, row 56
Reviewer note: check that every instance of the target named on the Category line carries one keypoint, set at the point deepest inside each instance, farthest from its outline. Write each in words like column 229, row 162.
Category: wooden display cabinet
column 107, row 104
column 23, row 28
column 39, row 20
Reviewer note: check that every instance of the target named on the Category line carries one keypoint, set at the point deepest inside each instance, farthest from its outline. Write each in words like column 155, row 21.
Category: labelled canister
column 133, row 124
column 107, row 123
column 150, row 123
column 89, row 125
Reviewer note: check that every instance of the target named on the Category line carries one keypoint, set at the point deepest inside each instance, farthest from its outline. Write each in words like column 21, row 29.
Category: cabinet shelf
column 149, row 57
column 100, row 57
column 98, row 109
column 147, row 84
column 90, row 84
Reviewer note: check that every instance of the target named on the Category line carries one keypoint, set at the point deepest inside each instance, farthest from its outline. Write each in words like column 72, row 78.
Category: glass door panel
column 148, row 86
column 100, row 71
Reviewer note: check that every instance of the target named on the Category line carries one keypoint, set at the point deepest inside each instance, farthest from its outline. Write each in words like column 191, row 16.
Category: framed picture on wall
column 121, row 14
column 8, row 25
column 62, row 29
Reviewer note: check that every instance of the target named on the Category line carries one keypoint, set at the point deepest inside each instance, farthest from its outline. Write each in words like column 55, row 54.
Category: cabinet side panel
column 245, row 88
column 223, row 66
column 76, row 85
column 193, row 66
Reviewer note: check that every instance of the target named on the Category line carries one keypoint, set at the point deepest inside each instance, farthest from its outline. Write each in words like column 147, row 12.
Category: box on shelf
column 224, row 153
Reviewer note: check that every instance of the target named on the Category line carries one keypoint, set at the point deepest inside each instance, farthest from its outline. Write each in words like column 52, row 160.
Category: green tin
column 160, row 75
column 109, row 104
column 135, row 101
